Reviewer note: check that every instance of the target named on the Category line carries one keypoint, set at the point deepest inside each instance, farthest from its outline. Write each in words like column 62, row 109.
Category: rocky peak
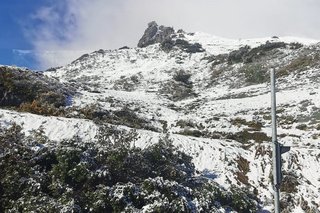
column 155, row 34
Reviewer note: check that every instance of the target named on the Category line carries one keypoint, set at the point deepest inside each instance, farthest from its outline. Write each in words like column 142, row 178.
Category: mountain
column 210, row 96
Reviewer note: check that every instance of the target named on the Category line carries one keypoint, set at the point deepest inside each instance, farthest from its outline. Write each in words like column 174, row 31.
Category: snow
column 56, row 128
column 216, row 158
column 218, row 45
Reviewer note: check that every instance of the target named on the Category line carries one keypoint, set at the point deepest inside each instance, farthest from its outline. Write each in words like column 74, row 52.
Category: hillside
column 210, row 96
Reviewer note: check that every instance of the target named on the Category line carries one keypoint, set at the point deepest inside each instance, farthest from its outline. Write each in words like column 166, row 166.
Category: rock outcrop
column 168, row 38
column 155, row 34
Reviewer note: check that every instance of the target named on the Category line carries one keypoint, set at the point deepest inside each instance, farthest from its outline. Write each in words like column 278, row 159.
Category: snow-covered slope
column 213, row 102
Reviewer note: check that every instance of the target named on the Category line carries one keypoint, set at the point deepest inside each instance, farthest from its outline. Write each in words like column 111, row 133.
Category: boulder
column 155, row 34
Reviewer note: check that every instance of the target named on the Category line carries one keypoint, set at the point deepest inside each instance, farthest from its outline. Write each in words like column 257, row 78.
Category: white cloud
column 71, row 27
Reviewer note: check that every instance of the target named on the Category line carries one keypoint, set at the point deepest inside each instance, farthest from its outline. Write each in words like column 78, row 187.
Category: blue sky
column 12, row 36
column 39, row 34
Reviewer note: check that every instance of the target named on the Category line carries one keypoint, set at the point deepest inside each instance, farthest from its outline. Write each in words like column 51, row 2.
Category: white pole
column 276, row 155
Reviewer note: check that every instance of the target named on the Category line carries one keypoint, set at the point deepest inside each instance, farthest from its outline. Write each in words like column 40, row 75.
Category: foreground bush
column 106, row 176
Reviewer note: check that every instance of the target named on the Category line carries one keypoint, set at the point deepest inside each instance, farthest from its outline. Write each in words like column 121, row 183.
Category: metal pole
column 276, row 155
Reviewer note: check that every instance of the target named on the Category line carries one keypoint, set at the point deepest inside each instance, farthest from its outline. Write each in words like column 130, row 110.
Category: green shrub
column 127, row 84
column 258, row 53
column 32, row 92
column 298, row 64
column 254, row 73
column 105, row 176
column 247, row 55
column 176, row 90
column 21, row 86
column 245, row 136
column 254, row 125
column 238, row 56
column 302, row 126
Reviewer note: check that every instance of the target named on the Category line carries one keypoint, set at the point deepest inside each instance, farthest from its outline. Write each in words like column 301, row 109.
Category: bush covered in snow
column 30, row 90
column 255, row 73
column 179, row 88
column 106, row 176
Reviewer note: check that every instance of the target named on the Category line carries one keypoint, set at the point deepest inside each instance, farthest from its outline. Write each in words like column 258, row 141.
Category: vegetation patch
column 287, row 120
column 182, row 76
column 107, row 175
column 254, row 125
column 244, row 168
column 238, row 56
column 263, row 50
column 176, row 91
column 169, row 43
column 299, row 64
column 245, row 136
column 125, row 116
column 302, row 126
column 30, row 91
column 40, row 108
column 193, row 133
column 127, row 84
column 255, row 73
column 189, row 124
column 247, row 55
column 216, row 59
column 289, row 183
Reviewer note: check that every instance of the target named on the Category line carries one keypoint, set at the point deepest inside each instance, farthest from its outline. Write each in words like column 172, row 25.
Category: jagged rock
column 155, row 34
column 168, row 45
column 167, row 38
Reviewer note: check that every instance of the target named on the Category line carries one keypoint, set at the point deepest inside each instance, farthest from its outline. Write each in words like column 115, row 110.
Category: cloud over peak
column 68, row 28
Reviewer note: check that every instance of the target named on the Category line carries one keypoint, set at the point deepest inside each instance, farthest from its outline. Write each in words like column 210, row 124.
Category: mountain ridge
column 213, row 102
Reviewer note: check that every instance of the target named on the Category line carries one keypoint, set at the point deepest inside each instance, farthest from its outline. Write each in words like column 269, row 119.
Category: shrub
column 237, row 56
column 244, row 168
column 82, row 177
column 193, row 133
column 295, row 45
column 52, row 98
column 127, row 84
column 289, row 183
column 182, row 76
column 247, row 55
column 254, row 125
column 299, row 64
column 254, row 73
column 39, row 108
column 302, row 126
column 176, row 91
column 186, row 123
column 257, row 53
column 128, row 117
column 22, row 87
column 245, row 136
